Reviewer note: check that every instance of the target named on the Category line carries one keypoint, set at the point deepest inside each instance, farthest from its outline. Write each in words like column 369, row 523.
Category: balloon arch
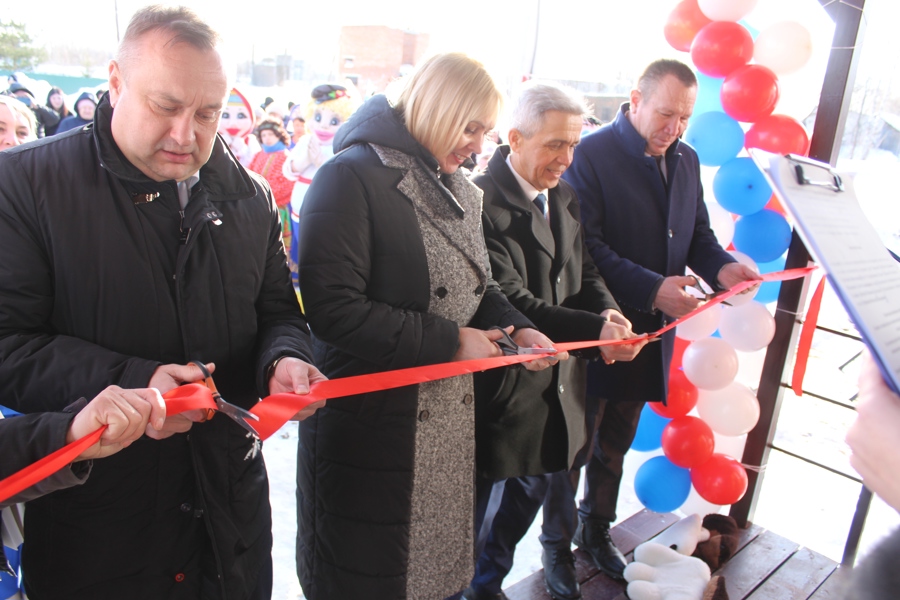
column 700, row 429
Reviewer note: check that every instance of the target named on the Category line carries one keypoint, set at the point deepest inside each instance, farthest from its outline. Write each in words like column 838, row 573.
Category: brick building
column 372, row 55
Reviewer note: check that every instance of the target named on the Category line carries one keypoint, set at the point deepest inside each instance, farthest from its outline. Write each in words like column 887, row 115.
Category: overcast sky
column 577, row 39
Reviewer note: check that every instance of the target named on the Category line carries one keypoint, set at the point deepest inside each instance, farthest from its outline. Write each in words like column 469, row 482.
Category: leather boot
column 593, row 538
column 559, row 574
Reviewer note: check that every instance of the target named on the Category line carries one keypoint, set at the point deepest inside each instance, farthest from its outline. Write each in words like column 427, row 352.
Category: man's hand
column 873, row 436
column 617, row 327
column 169, row 377
column 532, row 338
column 293, row 376
column 128, row 413
column 734, row 273
column 672, row 299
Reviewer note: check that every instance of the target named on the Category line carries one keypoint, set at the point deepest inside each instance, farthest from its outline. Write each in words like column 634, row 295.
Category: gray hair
column 183, row 23
column 659, row 69
column 535, row 99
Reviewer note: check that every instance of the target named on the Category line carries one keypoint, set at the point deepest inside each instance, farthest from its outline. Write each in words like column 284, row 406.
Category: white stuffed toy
column 663, row 568
column 660, row 573
column 684, row 535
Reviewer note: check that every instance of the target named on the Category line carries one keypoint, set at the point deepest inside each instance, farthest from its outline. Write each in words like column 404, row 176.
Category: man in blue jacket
column 645, row 221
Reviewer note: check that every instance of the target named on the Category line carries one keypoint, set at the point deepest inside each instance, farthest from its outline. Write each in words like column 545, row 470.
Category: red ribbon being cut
column 275, row 410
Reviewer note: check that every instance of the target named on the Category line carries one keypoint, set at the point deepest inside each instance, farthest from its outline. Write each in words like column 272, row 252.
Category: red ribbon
column 806, row 338
column 275, row 410
column 178, row 400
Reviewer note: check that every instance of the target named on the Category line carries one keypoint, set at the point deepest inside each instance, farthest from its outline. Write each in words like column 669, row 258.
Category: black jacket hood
column 377, row 122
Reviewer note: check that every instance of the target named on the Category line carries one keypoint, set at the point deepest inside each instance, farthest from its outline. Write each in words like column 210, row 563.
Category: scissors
column 510, row 348
column 238, row 414
column 703, row 294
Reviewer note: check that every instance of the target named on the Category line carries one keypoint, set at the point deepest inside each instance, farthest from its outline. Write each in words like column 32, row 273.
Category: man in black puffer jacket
column 130, row 247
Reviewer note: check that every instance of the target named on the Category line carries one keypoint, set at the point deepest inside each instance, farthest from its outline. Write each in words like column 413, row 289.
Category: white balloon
column 730, row 445
column 747, row 328
column 710, row 363
column 701, row 325
column 726, row 10
column 732, row 410
column 784, row 47
column 722, row 223
column 751, row 367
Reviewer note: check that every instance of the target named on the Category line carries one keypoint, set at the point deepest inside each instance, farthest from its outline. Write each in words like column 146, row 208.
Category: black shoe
column 593, row 538
column 559, row 574
column 471, row 594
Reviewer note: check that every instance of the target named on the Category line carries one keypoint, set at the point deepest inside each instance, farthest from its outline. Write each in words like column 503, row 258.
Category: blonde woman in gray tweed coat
column 394, row 274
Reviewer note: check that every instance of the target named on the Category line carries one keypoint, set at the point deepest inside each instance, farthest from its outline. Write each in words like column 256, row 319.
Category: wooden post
column 834, row 104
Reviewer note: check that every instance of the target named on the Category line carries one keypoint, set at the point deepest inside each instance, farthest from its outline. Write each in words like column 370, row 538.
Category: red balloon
column 688, row 441
column 779, row 134
column 682, row 397
column 750, row 93
column 721, row 47
column 685, row 20
column 720, row 480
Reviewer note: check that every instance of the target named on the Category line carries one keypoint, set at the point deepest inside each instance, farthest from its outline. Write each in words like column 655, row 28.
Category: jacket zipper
column 186, row 243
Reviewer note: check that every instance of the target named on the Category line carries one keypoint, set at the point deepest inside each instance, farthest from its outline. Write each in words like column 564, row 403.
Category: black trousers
column 616, row 425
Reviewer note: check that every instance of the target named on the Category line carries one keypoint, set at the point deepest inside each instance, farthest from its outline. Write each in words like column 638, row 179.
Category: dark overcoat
column 640, row 230
column 377, row 301
column 530, row 423
column 102, row 281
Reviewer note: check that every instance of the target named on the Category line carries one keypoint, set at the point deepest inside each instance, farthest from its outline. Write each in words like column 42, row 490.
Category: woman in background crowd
column 268, row 162
column 56, row 101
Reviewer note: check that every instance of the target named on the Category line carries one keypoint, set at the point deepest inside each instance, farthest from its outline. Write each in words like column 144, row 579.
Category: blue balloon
column 716, row 137
column 709, row 92
column 7, row 412
column 9, row 584
column 763, row 236
column 661, row 486
column 740, row 187
column 768, row 291
column 649, row 431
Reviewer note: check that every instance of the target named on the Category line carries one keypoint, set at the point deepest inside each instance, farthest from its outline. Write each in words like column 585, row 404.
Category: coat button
column 671, row 233
column 185, row 507
column 198, row 514
column 559, row 280
column 562, row 389
column 424, row 415
column 441, row 292
column 479, row 290
column 467, row 399
column 179, row 577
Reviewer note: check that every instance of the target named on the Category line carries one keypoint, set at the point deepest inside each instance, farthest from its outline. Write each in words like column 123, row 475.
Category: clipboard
column 862, row 272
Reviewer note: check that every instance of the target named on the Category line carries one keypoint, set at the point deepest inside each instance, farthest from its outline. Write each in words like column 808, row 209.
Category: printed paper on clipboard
column 842, row 240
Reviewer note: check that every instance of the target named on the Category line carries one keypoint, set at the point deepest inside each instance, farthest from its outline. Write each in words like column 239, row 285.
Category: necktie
column 541, row 202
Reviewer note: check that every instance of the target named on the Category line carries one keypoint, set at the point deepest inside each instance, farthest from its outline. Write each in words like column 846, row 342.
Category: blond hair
column 17, row 107
column 445, row 94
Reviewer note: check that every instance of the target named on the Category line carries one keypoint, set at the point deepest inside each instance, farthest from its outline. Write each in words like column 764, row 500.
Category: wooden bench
column 766, row 566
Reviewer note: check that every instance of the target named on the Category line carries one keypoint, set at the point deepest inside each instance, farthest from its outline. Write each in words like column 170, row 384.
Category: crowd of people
column 135, row 243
